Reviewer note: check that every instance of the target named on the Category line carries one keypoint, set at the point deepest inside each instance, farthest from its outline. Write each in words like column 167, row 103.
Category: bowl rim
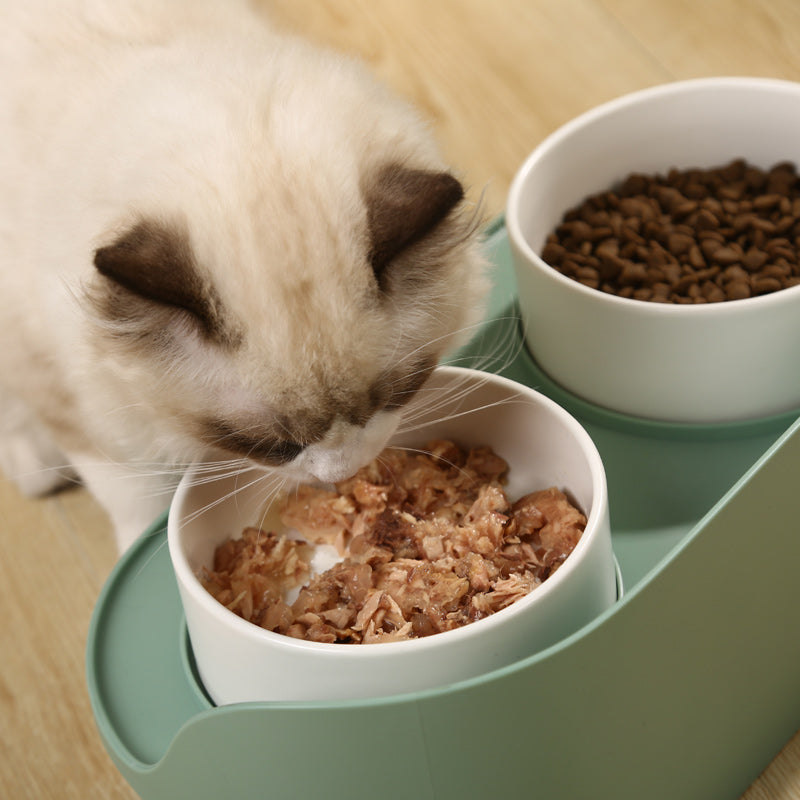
column 594, row 528
column 609, row 108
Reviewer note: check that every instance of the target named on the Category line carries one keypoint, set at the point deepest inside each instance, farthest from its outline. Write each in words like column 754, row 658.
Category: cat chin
column 344, row 450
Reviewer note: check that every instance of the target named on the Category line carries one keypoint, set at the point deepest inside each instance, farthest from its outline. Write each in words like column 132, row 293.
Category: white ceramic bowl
column 544, row 446
column 719, row 362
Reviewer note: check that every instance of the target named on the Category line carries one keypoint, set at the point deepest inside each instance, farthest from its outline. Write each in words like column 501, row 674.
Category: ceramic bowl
column 720, row 362
column 544, row 446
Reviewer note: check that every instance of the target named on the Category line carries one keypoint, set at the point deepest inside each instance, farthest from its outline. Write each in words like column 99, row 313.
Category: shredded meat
column 429, row 540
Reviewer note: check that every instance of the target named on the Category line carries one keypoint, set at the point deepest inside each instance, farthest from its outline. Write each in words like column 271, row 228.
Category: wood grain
column 494, row 78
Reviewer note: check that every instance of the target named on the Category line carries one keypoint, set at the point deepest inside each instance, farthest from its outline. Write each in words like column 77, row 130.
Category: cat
column 217, row 242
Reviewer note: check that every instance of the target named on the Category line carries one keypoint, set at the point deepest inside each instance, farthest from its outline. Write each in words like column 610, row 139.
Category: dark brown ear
column 403, row 206
column 155, row 261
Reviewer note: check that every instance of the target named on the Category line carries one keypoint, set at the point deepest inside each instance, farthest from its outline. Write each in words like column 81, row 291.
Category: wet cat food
column 690, row 236
column 430, row 542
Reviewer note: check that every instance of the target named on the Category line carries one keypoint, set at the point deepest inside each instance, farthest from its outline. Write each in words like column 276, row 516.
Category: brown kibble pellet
column 661, row 290
column 685, row 208
column 553, row 252
column 629, row 231
column 737, row 290
column 779, row 243
column 724, row 256
column 683, row 285
column 689, row 236
column 632, row 274
column 765, row 225
column 695, row 257
column 708, row 272
column 705, row 220
column 607, row 249
column 569, row 267
column 656, row 258
column 679, row 243
column 632, row 206
column 601, row 233
column 734, row 170
column 777, row 270
column 712, row 292
column 671, row 271
column 786, row 253
column 754, row 259
column 735, row 273
column 741, row 222
column 588, row 274
column 766, row 201
column 634, row 184
column 763, row 285
column 669, row 198
column 709, row 245
column 580, row 230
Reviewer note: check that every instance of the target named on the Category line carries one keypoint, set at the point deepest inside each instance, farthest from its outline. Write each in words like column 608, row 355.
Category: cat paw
column 133, row 498
column 36, row 465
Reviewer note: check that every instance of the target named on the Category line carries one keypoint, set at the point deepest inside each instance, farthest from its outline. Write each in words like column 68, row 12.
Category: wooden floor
column 495, row 78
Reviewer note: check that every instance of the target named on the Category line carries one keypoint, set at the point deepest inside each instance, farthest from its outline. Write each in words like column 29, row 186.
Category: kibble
column 689, row 236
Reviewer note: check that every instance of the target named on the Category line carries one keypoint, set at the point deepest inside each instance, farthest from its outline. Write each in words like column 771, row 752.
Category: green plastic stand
column 686, row 688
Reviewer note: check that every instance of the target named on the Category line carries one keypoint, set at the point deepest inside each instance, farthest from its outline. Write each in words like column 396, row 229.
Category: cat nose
column 338, row 455
column 332, row 468
column 340, row 433
column 347, row 447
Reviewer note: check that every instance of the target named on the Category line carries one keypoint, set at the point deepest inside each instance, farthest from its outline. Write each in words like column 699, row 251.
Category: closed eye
column 267, row 449
column 281, row 452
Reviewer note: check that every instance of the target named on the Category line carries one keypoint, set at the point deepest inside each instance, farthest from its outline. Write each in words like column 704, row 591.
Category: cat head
column 283, row 298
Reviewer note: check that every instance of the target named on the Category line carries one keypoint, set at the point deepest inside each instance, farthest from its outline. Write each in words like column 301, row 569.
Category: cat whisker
column 272, row 485
column 495, row 354
column 427, row 404
column 433, row 342
column 426, row 452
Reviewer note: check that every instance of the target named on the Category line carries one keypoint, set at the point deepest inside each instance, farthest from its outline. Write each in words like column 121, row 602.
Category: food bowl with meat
column 479, row 537
column 656, row 245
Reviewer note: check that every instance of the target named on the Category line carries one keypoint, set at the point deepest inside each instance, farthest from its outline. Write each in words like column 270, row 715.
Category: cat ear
column 405, row 205
column 155, row 261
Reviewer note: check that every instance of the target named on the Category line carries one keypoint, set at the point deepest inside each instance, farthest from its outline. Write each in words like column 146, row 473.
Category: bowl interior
column 543, row 445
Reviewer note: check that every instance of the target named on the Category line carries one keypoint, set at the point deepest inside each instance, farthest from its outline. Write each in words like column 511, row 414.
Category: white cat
column 215, row 241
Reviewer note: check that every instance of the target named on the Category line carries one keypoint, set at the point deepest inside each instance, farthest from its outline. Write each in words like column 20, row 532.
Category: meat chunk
column 430, row 542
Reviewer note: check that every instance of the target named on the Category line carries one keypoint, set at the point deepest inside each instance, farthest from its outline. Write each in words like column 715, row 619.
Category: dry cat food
column 690, row 236
column 430, row 543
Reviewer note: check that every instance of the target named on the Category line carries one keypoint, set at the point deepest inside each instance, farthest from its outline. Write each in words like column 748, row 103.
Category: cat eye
column 270, row 451
column 283, row 452
column 155, row 262
column 267, row 449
